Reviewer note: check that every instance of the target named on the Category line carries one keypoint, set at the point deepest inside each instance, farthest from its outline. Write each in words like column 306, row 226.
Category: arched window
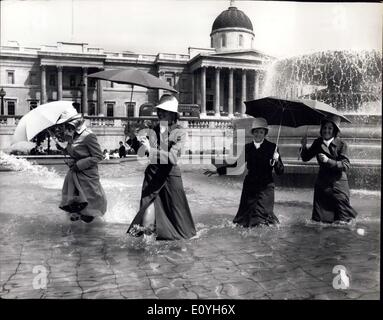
column 223, row 40
column 240, row 40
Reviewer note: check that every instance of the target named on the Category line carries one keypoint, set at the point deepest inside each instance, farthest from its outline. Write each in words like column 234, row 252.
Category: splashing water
column 16, row 164
column 349, row 81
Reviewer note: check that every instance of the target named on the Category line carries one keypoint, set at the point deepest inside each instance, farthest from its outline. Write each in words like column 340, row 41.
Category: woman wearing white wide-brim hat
column 257, row 200
column 82, row 194
column 331, row 191
column 164, row 209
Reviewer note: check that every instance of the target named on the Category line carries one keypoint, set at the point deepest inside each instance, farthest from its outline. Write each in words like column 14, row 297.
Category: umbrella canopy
column 285, row 112
column 39, row 119
column 324, row 108
column 134, row 77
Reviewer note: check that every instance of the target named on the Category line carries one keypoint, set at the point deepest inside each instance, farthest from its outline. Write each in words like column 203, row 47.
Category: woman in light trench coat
column 82, row 194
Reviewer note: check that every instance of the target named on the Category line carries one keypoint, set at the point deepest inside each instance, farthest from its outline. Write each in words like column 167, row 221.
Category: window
column 130, row 109
column 91, row 109
column 109, row 109
column 240, row 40
column 10, row 77
column 32, row 78
column 52, row 79
column 223, row 40
column 92, row 83
column 184, row 84
column 208, row 83
column 169, row 81
column 11, row 105
column 33, row 104
column 72, row 81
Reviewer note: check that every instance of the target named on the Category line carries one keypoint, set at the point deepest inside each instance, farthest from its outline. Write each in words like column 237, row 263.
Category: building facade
column 217, row 79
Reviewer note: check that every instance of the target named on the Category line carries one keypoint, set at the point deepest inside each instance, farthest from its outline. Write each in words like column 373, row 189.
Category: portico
column 220, row 85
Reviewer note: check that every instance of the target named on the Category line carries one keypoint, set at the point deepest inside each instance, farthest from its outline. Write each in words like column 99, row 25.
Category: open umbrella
column 324, row 108
column 132, row 76
column 135, row 77
column 291, row 112
column 39, row 119
column 283, row 112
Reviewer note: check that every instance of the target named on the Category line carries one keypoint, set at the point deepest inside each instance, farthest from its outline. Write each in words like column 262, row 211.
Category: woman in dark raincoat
column 331, row 191
column 82, row 194
column 257, row 200
column 164, row 209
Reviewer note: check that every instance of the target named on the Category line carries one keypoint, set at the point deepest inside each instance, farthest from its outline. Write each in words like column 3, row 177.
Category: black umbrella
column 132, row 76
column 283, row 112
column 324, row 108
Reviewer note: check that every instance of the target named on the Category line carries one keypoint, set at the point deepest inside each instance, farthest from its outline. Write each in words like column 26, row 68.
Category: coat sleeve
column 177, row 141
column 342, row 162
column 94, row 151
column 279, row 168
column 308, row 153
column 239, row 163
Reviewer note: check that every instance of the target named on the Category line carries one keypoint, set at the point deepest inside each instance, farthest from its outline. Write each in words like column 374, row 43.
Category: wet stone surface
column 43, row 255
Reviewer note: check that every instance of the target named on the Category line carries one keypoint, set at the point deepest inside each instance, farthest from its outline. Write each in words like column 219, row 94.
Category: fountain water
column 349, row 81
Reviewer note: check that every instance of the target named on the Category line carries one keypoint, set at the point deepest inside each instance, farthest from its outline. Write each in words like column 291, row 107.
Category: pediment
column 244, row 54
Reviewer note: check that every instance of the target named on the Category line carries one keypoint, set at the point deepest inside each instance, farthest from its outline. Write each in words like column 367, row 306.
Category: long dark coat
column 163, row 186
column 82, row 191
column 257, row 200
column 331, row 191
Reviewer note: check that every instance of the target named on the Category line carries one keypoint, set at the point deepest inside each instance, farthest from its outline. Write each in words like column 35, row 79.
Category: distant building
column 215, row 80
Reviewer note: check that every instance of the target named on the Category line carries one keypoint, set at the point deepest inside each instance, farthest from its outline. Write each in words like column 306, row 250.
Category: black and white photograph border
column 238, row 202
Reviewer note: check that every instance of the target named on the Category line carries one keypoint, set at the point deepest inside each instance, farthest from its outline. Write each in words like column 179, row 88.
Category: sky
column 281, row 28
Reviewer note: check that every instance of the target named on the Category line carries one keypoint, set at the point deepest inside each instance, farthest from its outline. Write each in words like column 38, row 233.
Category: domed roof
column 232, row 18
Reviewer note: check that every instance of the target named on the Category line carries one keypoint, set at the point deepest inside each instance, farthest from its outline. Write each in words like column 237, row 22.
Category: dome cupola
column 232, row 30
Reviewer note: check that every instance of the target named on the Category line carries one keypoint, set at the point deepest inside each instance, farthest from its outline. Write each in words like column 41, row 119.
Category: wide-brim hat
column 168, row 103
column 334, row 119
column 68, row 115
column 259, row 123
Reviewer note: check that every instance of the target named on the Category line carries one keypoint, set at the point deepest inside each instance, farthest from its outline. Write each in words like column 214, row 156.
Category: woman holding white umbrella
column 82, row 194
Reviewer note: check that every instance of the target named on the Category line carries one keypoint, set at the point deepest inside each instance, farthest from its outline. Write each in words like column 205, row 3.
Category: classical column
column 231, row 92
column 203, row 91
column 100, row 103
column 217, row 92
column 59, row 82
column 160, row 91
column 256, row 81
column 192, row 88
column 136, row 111
column 243, row 92
column 43, row 85
column 84, row 100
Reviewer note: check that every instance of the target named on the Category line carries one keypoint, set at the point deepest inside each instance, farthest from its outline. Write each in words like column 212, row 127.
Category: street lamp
column 2, row 95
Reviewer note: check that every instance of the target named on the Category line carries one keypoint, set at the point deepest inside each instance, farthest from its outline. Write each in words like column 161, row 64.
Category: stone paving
column 45, row 256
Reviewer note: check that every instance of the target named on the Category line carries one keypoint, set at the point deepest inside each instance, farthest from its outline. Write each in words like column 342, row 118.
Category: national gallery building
column 213, row 81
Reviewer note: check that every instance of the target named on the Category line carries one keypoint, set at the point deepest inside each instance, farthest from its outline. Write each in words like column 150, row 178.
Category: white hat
column 68, row 115
column 168, row 103
column 259, row 123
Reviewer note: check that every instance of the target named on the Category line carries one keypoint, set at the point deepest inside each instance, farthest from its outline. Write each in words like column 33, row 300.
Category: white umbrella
column 39, row 119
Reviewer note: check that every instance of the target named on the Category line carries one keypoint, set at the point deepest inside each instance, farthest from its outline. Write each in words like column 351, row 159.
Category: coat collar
column 336, row 141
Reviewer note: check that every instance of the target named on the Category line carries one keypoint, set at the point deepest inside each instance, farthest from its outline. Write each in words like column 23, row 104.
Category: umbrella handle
column 272, row 161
